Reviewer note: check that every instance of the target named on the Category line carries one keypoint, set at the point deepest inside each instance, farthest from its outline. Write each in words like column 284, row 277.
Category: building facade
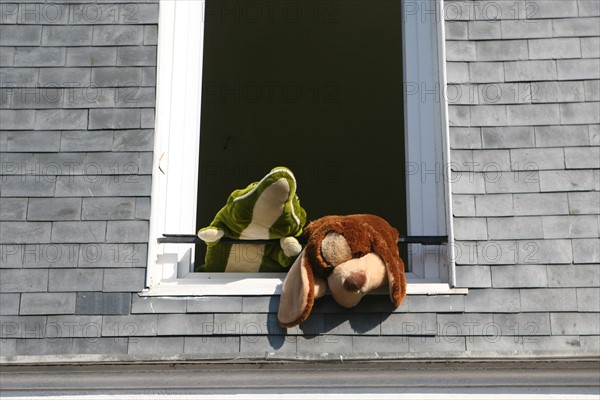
column 79, row 95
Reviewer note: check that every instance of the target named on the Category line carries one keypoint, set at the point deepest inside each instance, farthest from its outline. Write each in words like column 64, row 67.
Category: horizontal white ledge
column 407, row 378
column 232, row 284
column 450, row 393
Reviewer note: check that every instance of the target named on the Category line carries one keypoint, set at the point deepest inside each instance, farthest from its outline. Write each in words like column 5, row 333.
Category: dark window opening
column 314, row 86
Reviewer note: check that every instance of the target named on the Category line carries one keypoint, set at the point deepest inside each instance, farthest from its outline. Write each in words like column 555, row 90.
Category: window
column 227, row 154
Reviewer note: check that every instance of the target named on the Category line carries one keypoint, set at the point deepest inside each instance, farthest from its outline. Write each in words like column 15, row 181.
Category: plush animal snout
column 355, row 281
column 351, row 280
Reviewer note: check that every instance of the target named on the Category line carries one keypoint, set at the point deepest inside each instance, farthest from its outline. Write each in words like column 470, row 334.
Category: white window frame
column 177, row 138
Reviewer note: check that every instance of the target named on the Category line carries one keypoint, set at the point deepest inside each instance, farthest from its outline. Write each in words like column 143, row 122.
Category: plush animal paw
column 290, row 246
column 210, row 235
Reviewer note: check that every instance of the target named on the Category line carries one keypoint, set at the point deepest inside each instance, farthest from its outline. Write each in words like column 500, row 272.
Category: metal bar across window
column 177, row 238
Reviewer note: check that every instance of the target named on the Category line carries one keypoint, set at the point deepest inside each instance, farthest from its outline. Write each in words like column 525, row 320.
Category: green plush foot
column 210, row 235
column 290, row 245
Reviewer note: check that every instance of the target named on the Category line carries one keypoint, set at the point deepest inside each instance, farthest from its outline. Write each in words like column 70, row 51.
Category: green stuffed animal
column 269, row 209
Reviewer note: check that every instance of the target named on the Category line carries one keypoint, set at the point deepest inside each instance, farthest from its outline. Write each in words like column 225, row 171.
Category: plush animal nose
column 355, row 281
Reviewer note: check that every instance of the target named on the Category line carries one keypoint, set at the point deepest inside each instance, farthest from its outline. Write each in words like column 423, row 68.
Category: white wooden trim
column 447, row 188
column 175, row 167
column 177, row 137
column 426, row 133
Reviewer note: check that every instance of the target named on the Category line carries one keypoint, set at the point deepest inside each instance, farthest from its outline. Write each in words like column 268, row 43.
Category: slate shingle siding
column 77, row 81
column 523, row 134
column 77, row 110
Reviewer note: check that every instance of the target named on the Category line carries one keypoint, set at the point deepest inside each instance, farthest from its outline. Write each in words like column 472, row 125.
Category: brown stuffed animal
column 351, row 255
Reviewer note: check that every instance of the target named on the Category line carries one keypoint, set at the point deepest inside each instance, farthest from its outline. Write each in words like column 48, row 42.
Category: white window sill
column 239, row 284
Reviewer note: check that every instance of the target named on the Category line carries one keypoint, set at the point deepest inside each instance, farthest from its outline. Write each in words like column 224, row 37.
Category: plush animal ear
column 385, row 245
column 388, row 251
column 396, row 281
column 297, row 293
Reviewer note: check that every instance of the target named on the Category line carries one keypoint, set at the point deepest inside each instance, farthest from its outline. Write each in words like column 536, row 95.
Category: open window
column 320, row 87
